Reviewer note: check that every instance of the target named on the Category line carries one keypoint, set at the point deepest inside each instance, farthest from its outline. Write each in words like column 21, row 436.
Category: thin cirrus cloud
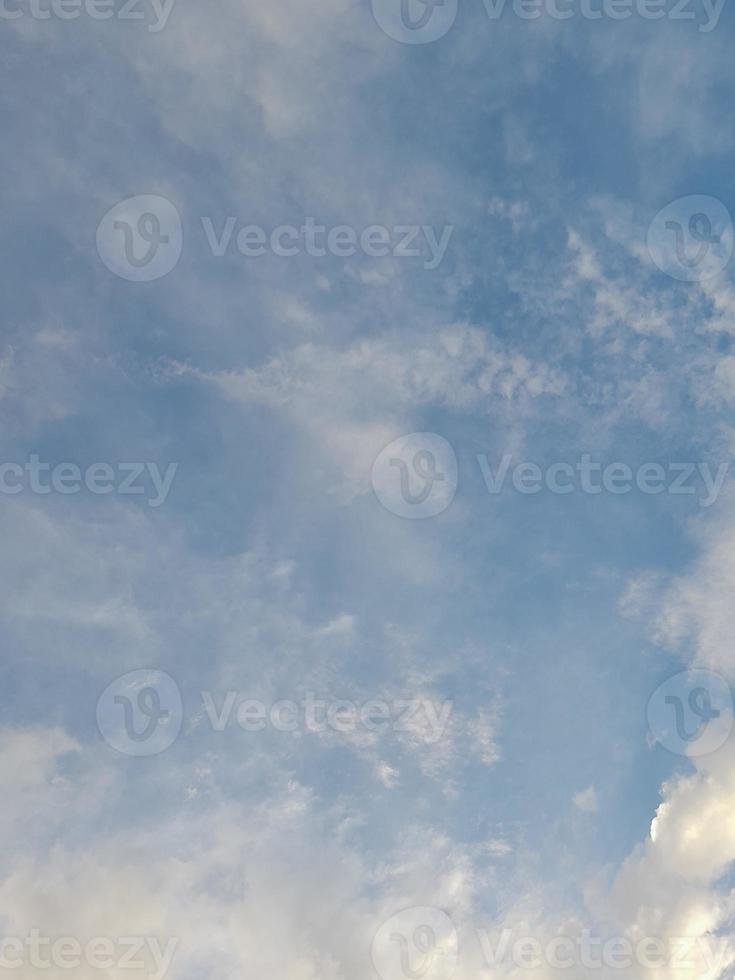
column 273, row 570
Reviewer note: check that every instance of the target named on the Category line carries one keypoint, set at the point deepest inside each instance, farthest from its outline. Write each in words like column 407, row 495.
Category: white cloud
column 342, row 625
column 586, row 800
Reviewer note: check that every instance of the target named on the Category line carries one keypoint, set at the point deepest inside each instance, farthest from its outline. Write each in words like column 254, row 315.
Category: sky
column 367, row 383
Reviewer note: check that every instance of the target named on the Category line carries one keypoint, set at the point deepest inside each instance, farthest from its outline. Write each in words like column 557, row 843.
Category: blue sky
column 280, row 561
